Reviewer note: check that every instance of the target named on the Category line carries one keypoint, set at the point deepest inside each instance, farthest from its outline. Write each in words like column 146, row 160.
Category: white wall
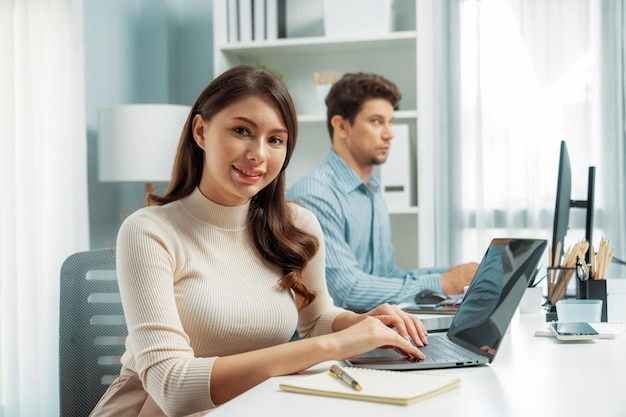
column 139, row 51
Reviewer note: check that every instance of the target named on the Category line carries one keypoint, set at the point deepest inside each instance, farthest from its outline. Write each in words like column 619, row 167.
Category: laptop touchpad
column 383, row 356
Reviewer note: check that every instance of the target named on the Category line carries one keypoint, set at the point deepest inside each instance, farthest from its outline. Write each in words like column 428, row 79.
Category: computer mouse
column 430, row 297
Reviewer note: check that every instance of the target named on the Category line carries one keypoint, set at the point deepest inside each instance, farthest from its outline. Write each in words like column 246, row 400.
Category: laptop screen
column 494, row 294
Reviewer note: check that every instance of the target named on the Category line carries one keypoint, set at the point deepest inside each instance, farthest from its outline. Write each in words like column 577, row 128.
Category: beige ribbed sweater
column 193, row 288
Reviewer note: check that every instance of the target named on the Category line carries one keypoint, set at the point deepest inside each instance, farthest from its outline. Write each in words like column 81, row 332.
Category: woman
column 218, row 274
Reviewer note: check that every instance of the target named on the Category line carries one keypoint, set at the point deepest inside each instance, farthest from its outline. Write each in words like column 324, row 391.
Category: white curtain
column 533, row 73
column 613, row 127
column 43, row 189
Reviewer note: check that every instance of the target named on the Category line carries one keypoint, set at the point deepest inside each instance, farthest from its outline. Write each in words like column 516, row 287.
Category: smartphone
column 573, row 331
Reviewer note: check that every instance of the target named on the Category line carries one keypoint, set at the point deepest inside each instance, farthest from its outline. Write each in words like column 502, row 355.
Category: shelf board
column 321, row 118
column 311, row 118
column 322, row 44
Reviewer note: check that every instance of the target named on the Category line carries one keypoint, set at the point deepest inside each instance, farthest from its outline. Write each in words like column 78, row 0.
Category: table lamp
column 137, row 142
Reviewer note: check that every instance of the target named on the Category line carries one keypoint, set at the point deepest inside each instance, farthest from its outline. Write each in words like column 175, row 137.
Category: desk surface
column 530, row 376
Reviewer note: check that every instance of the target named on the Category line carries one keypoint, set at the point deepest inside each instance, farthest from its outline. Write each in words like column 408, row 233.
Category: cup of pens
column 561, row 269
column 323, row 81
column 590, row 277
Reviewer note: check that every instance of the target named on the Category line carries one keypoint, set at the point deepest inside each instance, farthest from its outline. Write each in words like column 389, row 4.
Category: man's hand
column 458, row 277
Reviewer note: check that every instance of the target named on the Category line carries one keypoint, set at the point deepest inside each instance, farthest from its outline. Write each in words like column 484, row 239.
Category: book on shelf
column 258, row 12
column 245, row 20
column 271, row 20
column 391, row 387
column 232, row 21
column 282, row 18
column 395, row 174
column 275, row 19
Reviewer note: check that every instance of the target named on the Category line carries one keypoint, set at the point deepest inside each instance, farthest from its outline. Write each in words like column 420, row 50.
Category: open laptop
column 484, row 315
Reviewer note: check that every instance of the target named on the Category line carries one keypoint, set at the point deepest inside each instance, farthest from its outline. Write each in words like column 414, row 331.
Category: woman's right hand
column 369, row 334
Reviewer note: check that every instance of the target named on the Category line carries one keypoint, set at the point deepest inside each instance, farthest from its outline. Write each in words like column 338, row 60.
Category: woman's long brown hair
column 275, row 236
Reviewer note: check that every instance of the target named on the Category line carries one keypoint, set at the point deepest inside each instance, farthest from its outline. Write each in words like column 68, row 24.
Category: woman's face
column 245, row 146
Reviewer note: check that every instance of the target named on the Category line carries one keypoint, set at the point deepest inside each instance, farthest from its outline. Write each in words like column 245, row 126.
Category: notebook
column 484, row 315
column 389, row 387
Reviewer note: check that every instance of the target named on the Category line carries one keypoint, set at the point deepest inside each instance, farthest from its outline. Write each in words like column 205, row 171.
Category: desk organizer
column 593, row 289
column 590, row 289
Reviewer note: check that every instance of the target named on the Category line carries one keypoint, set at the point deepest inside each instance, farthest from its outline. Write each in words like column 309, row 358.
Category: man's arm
column 355, row 290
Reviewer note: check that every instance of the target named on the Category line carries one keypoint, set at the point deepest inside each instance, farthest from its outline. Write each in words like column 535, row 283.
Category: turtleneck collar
column 207, row 211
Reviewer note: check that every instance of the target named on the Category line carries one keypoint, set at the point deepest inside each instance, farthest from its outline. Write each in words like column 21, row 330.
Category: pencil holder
column 593, row 289
column 558, row 279
column 321, row 91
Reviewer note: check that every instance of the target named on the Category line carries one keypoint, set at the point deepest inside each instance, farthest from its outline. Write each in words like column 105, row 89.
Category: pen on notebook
column 341, row 374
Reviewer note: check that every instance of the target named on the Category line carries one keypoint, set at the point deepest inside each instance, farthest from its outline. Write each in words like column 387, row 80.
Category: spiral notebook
column 391, row 387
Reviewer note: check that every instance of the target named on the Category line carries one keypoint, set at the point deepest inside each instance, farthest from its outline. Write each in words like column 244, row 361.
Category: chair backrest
column 92, row 330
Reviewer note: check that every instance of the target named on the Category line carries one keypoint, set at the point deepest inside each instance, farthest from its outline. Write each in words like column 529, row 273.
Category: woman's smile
column 249, row 174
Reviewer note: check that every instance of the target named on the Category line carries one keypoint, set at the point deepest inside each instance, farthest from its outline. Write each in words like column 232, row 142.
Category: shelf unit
column 393, row 55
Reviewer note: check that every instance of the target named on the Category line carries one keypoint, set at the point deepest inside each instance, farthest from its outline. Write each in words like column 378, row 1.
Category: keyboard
column 442, row 349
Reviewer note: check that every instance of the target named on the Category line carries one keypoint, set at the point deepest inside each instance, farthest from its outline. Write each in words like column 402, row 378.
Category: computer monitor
column 563, row 199
column 564, row 202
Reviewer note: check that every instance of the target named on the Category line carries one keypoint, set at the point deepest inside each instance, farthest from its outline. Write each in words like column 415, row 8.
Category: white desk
column 530, row 376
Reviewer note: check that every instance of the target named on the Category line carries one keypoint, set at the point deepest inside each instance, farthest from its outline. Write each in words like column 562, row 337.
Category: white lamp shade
column 137, row 142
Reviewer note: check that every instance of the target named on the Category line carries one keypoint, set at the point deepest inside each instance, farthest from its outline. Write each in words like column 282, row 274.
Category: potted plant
column 277, row 73
column 533, row 281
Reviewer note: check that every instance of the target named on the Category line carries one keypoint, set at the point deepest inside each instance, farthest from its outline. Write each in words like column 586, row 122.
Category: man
column 342, row 193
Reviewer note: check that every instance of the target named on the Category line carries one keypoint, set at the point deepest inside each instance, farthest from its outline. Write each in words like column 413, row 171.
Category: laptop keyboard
column 442, row 349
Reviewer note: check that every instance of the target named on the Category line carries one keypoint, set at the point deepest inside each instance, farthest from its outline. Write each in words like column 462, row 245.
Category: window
column 529, row 79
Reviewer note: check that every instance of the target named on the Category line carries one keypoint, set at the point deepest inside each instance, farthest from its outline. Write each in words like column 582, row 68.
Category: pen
column 341, row 374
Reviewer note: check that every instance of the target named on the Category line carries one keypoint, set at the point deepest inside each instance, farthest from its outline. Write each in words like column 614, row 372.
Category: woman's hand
column 406, row 324
column 371, row 333
column 386, row 326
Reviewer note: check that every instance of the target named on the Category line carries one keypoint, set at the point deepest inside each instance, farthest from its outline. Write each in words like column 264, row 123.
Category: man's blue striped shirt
column 361, row 268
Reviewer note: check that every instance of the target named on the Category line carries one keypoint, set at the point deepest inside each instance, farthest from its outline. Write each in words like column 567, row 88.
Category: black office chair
column 92, row 330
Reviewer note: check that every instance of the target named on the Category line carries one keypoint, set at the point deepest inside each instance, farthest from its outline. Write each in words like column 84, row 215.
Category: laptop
column 483, row 317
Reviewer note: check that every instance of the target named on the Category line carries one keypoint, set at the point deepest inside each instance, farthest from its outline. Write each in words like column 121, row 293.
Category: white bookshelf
column 304, row 51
